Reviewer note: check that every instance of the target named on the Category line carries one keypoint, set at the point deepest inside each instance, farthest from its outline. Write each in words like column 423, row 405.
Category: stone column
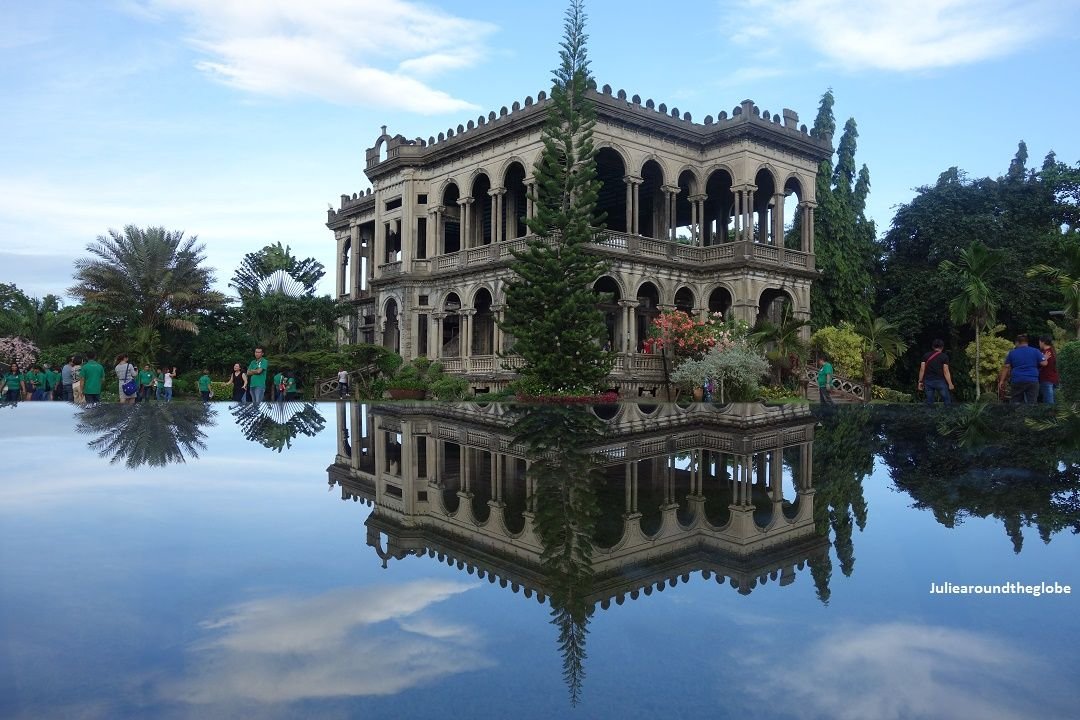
column 778, row 219
column 737, row 216
column 342, row 267
column 698, row 206
column 436, row 351
column 748, row 209
column 466, row 335
column 433, row 233
column 530, row 194
column 466, row 223
column 625, row 343
column 496, row 195
column 810, row 228
column 497, row 346
column 670, row 193
column 628, row 180
column 354, row 260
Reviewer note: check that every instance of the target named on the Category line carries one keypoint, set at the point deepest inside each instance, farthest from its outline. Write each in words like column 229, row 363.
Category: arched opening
column 450, row 478
column 516, row 200
column 380, row 145
column 611, row 201
column 771, row 305
column 608, row 303
column 684, row 300
column 392, row 331
column 451, row 219
column 793, row 195
column 451, row 327
column 514, row 493
column 483, row 330
column 611, row 493
column 719, row 209
column 652, row 219
column 346, row 283
column 717, row 485
column 720, row 301
column 684, row 231
column 480, row 482
column 764, row 220
column 648, row 307
column 480, row 214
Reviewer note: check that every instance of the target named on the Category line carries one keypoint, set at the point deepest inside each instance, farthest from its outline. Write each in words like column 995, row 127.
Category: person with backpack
column 934, row 375
column 128, row 378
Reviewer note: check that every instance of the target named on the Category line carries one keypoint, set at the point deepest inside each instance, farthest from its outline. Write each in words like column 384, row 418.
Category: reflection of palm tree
column 566, row 512
column 155, row 434
column 274, row 424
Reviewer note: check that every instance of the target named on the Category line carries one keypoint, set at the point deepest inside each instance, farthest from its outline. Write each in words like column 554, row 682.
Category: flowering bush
column 18, row 350
column 737, row 369
column 686, row 337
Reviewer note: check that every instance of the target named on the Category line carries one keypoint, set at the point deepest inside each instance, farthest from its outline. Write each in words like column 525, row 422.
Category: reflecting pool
column 506, row 561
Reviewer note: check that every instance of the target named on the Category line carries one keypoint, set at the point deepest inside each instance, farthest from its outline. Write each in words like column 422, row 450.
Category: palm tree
column 882, row 345
column 1067, row 280
column 977, row 302
column 784, row 339
column 154, row 434
column 148, row 279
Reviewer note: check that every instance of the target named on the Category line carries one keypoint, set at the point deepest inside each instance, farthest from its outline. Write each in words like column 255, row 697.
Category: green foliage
column 145, row 281
column 1066, row 278
column 785, row 349
column 423, row 374
column 447, row 388
column 1022, row 216
column 843, row 346
column 844, row 238
column 1068, row 365
column 889, row 395
column 991, row 350
column 550, row 306
column 150, row 433
column 779, row 393
column 738, row 370
column 881, row 345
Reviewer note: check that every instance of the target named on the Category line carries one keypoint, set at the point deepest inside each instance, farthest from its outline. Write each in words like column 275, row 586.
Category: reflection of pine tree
column 844, row 448
column 274, row 425
column 566, row 513
column 155, row 434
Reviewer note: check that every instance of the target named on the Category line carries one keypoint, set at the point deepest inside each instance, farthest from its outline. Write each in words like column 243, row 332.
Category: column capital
column 745, row 187
column 628, row 303
column 696, row 198
column 439, row 315
column 671, row 189
column 435, row 209
column 807, row 204
column 666, row 308
column 496, row 191
column 466, row 201
column 467, row 312
column 633, row 179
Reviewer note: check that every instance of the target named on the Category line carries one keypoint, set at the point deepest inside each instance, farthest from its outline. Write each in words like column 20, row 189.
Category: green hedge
column 1068, row 365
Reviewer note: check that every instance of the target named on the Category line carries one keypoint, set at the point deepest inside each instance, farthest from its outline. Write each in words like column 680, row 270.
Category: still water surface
column 492, row 561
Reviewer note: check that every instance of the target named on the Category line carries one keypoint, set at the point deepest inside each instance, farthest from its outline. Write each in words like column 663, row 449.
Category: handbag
column 130, row 387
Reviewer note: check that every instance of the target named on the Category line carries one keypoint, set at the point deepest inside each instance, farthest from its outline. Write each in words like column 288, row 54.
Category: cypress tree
column 551, row 308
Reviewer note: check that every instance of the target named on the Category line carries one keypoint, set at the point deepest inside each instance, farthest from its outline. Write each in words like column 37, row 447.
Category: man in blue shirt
column 1022, row 369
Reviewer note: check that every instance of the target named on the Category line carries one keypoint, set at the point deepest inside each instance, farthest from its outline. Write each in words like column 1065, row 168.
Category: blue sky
column 240, row 120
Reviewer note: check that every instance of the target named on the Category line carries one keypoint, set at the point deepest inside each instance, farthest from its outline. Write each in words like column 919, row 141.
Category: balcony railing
column 620, row 245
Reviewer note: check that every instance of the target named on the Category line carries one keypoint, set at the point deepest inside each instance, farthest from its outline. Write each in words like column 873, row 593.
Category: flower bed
column 601, row 399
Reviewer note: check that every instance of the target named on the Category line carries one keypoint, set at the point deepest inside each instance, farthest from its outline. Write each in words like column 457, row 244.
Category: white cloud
column 352, row 52
column 902, row 35
column 343, row 643
column 905, row 670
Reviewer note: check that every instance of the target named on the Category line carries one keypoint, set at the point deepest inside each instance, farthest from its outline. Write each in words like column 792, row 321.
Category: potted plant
column 409, row 383
column 691, row 376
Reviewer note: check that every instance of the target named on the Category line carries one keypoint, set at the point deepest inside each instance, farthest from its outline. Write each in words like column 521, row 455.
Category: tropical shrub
column 737, row 370
column 843, row 346
column 992, row 351
column 1068, row 365
column 890, row 395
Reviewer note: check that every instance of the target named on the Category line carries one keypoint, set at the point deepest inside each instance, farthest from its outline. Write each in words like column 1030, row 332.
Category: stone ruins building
column 716, row 216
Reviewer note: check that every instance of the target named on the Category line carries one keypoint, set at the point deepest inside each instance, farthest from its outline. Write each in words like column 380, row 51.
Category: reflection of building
column 704, row 216
column 725, row 491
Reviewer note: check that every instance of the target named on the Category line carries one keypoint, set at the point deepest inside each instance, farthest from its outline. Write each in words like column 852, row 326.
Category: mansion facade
column 716, row 216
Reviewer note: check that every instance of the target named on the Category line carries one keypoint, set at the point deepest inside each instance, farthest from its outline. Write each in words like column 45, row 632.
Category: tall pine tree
column 844, row 238
column 550, row 306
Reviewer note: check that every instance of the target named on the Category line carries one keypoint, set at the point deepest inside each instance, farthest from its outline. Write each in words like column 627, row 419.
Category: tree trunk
column 978, row 357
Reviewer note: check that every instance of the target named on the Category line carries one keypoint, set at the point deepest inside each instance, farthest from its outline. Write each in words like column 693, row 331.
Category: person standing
column 290, row 386
column 824, row 380
column 1048, row 374
column 159, row 384
column 77, row 395
column 52, row 379
column 125, row 373
column 167, row 384
column 204, row 385
column 934, row 375
column 278, row 390
column 35, row 383
column 93, row 376
column 256, row 373
column 239, row 383
column 146, row 381
column 1021, row 369
column 343, row 384
column 13, row 383
column 67, row 379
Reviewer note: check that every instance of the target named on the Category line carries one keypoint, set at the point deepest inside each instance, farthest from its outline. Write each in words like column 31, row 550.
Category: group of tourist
column 1028, row 375
column 81, row 380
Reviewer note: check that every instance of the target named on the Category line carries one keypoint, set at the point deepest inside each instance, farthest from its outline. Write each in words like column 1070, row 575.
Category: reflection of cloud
column 900, row 35
column 349, row 642
column 901, row 670
column 347, row 51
